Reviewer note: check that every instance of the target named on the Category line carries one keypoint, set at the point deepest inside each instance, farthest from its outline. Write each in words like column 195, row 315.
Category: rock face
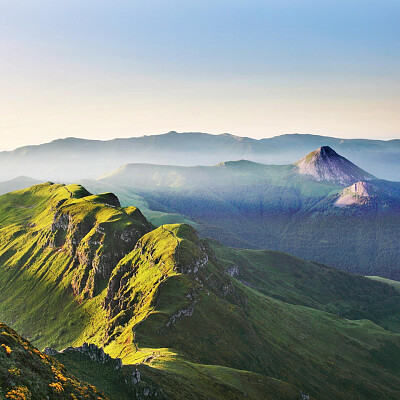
column 358, row 193
column 362, row 189
column 169, row 250
column 96, row 246
column 233, row 271
column 135, row 377
column 96, row 354
column 324, row 164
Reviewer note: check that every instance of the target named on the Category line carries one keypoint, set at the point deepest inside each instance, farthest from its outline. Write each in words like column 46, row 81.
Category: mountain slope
column 370, row 195
column 173, row 306
column 252, row 205
column 67, row 242
column 296, row 281
column 92, row 158
column 324, row 164
column 26, row 373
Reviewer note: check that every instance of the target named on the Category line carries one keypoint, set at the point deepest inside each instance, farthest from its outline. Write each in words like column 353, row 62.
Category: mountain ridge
column 280, row 137
column 275, row 207
column 91, row 158
column 168, row 301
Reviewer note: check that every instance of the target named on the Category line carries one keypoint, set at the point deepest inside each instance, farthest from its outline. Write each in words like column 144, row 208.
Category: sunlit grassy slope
column 198, row 319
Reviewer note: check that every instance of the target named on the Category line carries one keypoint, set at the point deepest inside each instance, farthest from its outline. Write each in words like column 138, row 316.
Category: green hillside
column 395, row 284
column 197, row 319
column 26, row 373
column 57, row 246
column 250, row 205
column 297, row 281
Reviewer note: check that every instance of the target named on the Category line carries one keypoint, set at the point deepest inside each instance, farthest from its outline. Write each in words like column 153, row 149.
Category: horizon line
column 198, row 133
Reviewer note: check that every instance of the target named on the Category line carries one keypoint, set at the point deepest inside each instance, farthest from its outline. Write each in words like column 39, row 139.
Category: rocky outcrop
column 362, row 189
column 233, row 271
column 95, row 246
column 186, row 254
column 358, row 193
column 143, row 383
column 96, row 354
column 135, row 377
column 324, row 164
column 192, row 260
column 185, row 312
column 195, row 265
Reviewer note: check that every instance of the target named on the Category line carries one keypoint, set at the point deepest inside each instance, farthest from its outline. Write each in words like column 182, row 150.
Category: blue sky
column 104, row 69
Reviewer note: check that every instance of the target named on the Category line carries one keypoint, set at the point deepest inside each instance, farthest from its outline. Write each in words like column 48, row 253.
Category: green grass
column 297, row 281
column 173, row 377
column 395, row 284
column 38, row 265
column 169, row 307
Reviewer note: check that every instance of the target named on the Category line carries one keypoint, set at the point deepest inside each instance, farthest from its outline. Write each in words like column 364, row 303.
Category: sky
column 105, row 69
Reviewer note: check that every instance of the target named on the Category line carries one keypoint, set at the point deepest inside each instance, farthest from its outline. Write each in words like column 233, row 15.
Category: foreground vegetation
column 26, row 373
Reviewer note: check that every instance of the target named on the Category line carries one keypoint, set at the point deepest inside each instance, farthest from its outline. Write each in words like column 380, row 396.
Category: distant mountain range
column 323, row 207
column 70, row 159
column 20, row 182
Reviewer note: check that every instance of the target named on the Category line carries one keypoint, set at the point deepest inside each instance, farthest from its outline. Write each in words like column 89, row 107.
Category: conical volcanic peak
column 324, row 164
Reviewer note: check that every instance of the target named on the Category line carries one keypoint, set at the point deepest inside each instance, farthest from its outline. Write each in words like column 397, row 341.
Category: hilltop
column 324, row 164
column 187, row 312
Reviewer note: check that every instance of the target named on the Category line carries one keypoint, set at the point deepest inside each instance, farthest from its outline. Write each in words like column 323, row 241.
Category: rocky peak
column 326, row 151
column 324, row 164
column 359, row 193
column 362, row 189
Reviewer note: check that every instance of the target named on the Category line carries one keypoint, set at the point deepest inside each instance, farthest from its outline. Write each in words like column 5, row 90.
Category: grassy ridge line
column 36, row 294
column 178, row 379
column 35, row 274
column 167, row 299
column 301, row 341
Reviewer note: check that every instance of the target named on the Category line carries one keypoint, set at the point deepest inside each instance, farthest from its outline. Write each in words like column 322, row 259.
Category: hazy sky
column 104, row 69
